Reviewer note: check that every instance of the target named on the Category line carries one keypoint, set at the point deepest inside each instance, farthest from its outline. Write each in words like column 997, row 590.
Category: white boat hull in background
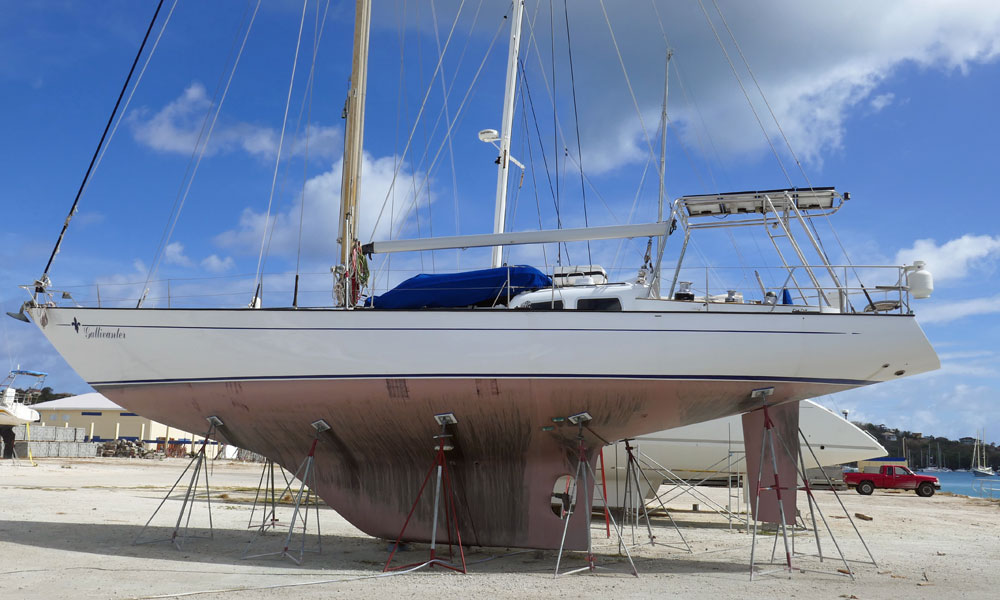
column 715, row 449
column 17, row 414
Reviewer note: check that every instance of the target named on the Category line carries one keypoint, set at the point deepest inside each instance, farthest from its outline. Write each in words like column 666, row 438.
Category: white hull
column 153, row 346
column 378, row 377
column 17, row 414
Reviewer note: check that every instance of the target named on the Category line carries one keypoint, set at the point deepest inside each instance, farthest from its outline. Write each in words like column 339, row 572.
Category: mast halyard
column 349, row 280
column 503, row 161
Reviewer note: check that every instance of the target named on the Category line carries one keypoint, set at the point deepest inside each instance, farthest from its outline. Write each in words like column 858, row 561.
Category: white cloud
column 125, row 289
column 955, row 258
column 173, row 254
column 322, row 214
column 882, row 100
column 951, row 311
column 176, row 127
column 827, row 62
column 214, row 264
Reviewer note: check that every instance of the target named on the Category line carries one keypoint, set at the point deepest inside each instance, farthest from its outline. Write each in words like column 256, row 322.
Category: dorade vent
column 579, row 275
column 397, row 388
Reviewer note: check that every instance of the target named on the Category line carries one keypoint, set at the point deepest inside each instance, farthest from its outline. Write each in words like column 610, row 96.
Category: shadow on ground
column 339, row 553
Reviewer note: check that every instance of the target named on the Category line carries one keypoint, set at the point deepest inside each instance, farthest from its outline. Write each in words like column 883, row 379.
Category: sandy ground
column 67, row 528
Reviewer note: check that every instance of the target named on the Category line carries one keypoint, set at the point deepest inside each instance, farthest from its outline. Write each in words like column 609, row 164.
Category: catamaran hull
column 378, row 378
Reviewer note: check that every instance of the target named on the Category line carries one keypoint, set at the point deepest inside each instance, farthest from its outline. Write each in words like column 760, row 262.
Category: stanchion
column 442, row 486
column 304, row 499
column 180, row 533
column 582, row 482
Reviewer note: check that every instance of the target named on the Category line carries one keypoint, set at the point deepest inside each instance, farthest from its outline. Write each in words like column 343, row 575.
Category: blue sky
column 893, row 103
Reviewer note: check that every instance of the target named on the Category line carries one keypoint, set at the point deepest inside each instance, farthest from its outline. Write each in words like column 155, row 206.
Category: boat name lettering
column 107, row 334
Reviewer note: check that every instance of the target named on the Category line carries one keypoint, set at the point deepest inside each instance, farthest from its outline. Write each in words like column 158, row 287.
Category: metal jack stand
column 266, row 495
column 814, row 509
column 680, row 486
column 583, row 471
column 177, row 537
column 812, row 502
column 768, row 441
column 306, row 475
column 442, row 484
column 636, row 511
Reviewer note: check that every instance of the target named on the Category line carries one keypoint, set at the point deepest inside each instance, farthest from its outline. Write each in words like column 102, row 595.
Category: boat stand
column 680, row 486
column 305, row 499
column 180, row 532
column 266, row 495
column 768, row 442
column 442, row 485
column 635, row 512
column 581, row 483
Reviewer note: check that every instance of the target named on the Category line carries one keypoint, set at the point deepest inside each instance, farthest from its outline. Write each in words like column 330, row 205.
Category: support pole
column 179, row 535
column 583, row 470
column 444, row 494
column 305, row 498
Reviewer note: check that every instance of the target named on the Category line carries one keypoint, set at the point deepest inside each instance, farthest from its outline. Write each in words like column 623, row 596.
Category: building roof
column 92, row 401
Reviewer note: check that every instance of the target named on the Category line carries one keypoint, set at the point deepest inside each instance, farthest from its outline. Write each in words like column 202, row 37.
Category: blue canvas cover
column 485, row 287
column 30, row 373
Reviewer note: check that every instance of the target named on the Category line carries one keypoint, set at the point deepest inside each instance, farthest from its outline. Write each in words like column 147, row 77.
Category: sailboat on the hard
column 510, row 351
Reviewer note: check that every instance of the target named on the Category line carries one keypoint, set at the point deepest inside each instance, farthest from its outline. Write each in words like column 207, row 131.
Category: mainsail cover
column 485, row 287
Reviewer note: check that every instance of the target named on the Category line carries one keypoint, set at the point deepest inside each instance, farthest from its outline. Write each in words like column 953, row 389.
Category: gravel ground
column 67, row 528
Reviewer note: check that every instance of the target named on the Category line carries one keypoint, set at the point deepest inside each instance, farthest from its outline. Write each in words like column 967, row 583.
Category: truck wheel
column 865, row 488
column 925, row 490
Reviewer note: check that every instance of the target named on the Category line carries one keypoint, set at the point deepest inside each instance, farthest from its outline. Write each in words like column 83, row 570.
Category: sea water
column 967, row 484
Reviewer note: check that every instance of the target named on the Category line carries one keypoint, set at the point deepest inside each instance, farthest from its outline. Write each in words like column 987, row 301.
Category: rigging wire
column 791, row 151
column 774, row 117
column 710, row 147
column 194, row 164
column 576, row 119
column 531, row 163
column 423, row 104
column 277, row 160
column 93, row 160
column 317, row 36
column 458, row 116
column 400, row 105
column 423, row 126
column 135, row 87
column 545, row 162
column 556, row 130
column 447, row 116
column 628, row 81
column 746, row 94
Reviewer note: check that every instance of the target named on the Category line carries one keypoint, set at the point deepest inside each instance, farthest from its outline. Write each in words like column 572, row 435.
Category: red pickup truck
column 892, row 477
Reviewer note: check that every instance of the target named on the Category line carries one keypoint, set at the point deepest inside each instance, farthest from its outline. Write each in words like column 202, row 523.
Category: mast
column 353, row 141
column 503, row 161
column 655, row 288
